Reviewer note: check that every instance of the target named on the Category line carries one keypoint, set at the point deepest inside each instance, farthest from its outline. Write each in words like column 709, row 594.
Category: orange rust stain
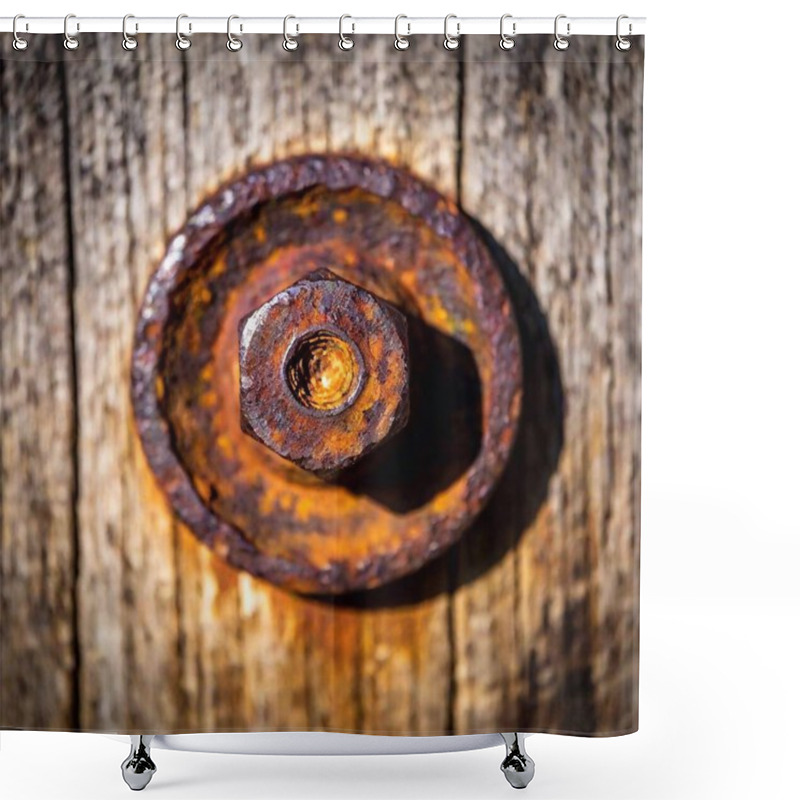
column 218, row 267
column 202, row 487
column 225, row 446
column 226, row 579
column 307, row 206
column 208, row 399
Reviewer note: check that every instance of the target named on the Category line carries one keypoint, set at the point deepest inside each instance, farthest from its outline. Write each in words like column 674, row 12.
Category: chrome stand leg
column 138, row 768
column 517, row 766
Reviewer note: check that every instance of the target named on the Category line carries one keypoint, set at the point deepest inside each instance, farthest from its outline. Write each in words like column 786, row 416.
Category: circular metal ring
column 128, row 42
column 451, row 42
column 70, row 42
column 401, row 42
column 290, row 42
column 623, row 44
column 346, row 42
column 418, row 251
column 18, row 43
column 561, row 42
column 234, row 43
column 507, row 40
column 182, row 42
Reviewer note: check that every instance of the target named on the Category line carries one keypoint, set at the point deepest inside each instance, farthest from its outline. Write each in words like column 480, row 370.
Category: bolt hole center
column 323, row 371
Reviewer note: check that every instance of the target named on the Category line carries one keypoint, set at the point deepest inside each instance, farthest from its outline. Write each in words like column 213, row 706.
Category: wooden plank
column 564, row 598
column 532, row 618
column 127, row 174
column 616, row 666
column 37, row 480
column 362, row 664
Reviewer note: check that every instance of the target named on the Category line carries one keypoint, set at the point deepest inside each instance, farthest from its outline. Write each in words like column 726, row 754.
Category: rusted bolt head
column 324, row 372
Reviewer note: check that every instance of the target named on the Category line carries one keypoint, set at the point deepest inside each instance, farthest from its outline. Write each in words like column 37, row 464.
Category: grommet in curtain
column 561, row 42
column 401, row 42
column 70, row 42
column 507, row 40
column 451, row 42
column 182, row 42
column 345, row 42
column 623, row 44
column 128, row 42
column 18, row 42
column 290, row 42
column 234, row 43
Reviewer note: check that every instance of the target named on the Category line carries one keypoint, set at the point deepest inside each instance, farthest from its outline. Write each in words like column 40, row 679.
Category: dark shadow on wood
column 523, row 486
column 444, row 430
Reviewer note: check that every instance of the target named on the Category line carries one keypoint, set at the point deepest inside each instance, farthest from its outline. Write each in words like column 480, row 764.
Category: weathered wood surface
column 532, row 619
column 564, row 205
column 37, row 405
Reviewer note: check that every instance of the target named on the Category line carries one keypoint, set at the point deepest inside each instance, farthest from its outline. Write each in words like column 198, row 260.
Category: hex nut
column 324, row 372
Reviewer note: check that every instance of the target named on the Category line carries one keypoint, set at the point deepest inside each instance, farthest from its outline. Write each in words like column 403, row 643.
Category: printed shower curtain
column 320, row 386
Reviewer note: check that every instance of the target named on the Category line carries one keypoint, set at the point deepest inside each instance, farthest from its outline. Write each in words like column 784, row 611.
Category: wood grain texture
column 37, row 480
column 531, row 621
column 126, row 171
column 564, row 204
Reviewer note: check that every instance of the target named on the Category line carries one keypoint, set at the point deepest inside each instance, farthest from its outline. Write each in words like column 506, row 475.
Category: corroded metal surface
column 324, row 372
column 383, row 230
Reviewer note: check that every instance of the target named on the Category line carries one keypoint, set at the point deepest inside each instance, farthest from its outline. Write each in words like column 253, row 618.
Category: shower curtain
column 320, row 385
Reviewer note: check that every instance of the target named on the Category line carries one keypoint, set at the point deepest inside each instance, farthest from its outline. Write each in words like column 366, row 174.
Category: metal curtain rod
column 578, row 26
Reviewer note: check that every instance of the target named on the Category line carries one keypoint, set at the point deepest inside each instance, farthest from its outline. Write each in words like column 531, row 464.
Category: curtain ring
column 451, row 42
column 507, row 41
column 346, row 42
column 70, row 42
column 234, row 43
column 561, row 42
column 623, row 44
column 19, row 43
column 182, row 42
column 128, row 42
column 401, row 42
column 290, row 43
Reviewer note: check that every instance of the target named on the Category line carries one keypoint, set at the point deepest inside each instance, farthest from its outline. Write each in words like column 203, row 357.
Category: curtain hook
column 290, row 42
column 70, row 42
column 507, row 41
column 561, row 42
column 623, row 44
column 451, row 42
column 401, row 42
column 182, row 42
column 346, row 42
column 234, row 43
column 19, row 43
column 129, row 42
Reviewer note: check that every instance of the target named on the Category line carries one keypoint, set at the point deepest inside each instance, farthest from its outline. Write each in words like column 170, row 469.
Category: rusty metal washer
column 404, row 503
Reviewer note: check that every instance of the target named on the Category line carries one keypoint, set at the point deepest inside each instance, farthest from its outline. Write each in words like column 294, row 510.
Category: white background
column 720, row 613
